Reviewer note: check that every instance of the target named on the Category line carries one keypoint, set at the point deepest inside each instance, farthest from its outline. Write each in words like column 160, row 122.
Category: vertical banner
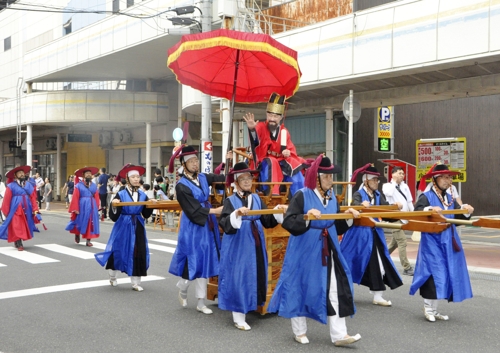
column 207, row 160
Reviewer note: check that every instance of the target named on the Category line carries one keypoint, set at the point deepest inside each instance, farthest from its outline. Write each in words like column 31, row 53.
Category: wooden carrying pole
column 262, row 212
column 160, row 205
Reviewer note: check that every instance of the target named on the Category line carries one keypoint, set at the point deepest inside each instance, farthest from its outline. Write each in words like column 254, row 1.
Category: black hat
column 179, row 152
column 321, row 165
column 239, row 168
column 367, row 169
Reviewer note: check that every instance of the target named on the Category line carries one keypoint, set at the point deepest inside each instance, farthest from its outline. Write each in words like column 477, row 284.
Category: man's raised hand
column 250, row 120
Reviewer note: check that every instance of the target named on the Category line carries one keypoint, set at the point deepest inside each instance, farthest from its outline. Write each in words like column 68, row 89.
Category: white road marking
column 161, row 248
column 2, row 265
column 71, row 286
column 96, row 244
column 166, row 241
column 68, row 251
column 26, row 256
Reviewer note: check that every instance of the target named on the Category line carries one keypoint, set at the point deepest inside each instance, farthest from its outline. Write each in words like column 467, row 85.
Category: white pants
column 432, row 303
column 135, row 280
column 338, row 328
column 200, row 287
column 239, row 318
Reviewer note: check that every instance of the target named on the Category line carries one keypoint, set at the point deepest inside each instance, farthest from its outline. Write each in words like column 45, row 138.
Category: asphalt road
column 88, row 315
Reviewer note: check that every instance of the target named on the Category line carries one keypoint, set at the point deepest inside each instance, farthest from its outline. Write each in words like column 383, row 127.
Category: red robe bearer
column 19, row 206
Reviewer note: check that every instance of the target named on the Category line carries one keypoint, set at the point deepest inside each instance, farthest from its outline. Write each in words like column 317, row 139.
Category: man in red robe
column 84, row 207
column 19, row 206
column 275, row 152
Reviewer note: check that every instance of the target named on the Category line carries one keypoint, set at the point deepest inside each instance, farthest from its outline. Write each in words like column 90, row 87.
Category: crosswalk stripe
column 26, row 256
column 161, row 248
column 166, row 241
column 95, row 244
column 71, row 286
column 68, row 251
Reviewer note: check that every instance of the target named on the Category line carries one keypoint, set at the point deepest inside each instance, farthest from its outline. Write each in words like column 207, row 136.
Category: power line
column 53, row 9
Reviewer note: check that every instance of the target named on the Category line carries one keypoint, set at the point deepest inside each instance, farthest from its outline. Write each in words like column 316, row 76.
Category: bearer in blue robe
column 315, row 281
column 364, row 248
column 243, row 261
column 441, row 269
column 196, row 257
column 127, row 248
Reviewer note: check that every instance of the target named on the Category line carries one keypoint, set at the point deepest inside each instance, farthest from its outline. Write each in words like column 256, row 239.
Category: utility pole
column 206, row 100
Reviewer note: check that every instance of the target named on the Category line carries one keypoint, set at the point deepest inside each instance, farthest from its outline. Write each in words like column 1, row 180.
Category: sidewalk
column 482, row 256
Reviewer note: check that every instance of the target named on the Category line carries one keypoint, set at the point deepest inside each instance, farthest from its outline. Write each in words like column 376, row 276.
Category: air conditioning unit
column 125, row 137
column 105, row 139
column 51, row 144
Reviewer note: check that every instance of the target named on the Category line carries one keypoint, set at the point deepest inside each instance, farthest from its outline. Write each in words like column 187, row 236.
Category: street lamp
column 185, row 10
column 185, row 21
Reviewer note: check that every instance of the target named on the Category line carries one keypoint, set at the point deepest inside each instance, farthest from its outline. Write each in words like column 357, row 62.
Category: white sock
column 377, row 296
column 201, row 303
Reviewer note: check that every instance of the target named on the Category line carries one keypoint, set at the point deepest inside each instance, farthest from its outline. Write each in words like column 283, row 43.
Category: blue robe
column 197, row 244
column 302, row 289
column 89, row 211
column 21, row 196
column 357, row 244
column 121, row 241
column 437, row 258
column 238, row 267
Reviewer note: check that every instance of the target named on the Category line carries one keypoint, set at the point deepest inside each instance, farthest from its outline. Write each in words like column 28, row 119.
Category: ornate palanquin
column 276, row 238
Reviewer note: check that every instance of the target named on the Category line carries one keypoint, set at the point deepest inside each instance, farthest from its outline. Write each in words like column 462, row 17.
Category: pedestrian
column 2, row 194
column 47, row 194
column 157, row 174
column 365, row 248
column 102, row 184
column 127, row 248
column 196, row 257
column 84, row 207
column 398, row 192
column 243, row 260
column 39, row 189
column 67, row 190
column 274, row 149
column 441, row 270
column 160, row 195
column 315, row 281
column 19, row 207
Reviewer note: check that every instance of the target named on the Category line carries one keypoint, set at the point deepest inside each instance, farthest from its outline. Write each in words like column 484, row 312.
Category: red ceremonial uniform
column 75, row 206
column 268, row 147
column 18, row 228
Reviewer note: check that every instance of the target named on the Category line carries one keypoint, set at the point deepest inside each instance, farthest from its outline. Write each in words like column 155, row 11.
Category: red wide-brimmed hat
column 436, row 170
column 79, row 172
column 11, row 174
column 129, row 167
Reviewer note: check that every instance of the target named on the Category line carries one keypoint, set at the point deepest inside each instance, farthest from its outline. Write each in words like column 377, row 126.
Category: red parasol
column 239, row 66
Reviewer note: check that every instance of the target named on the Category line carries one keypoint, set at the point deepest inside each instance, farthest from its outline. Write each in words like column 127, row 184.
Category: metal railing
column 253, row 19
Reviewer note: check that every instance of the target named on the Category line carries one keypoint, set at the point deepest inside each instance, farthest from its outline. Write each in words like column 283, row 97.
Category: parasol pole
column 230, row 134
